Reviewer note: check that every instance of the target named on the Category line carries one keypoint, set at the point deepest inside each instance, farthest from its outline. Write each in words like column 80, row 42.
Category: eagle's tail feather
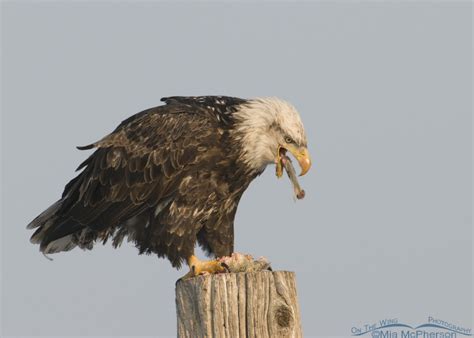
column 53, row 232
column 62, row 244
column 61, row 229
column 45, row 216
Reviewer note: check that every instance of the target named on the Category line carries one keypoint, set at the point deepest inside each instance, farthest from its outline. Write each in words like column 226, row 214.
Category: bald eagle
column 171, row 176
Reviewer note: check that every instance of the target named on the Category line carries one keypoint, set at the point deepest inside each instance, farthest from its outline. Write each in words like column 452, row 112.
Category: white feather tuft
column 61, row 244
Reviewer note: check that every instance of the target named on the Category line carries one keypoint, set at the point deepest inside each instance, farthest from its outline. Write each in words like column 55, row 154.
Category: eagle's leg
column 198, row 267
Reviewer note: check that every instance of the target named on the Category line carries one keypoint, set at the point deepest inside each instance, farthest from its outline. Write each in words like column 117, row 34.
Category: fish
column 290, row 171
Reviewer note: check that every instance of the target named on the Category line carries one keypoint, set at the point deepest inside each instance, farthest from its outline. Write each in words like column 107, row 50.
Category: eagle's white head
column 268, row 127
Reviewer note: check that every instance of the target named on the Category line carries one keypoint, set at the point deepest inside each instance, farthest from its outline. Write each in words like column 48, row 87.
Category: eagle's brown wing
column 135, row 168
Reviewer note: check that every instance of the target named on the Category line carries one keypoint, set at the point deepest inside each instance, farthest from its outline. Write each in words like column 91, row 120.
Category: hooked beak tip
column 305, row 164
column 305, row 161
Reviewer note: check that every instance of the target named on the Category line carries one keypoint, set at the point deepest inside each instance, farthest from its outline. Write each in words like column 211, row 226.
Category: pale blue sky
column 384, row 91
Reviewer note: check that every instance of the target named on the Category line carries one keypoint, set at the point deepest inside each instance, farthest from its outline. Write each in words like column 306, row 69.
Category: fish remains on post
column 173, row 175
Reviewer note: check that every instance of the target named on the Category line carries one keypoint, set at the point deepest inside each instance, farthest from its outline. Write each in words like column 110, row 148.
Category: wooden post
column 246, row 304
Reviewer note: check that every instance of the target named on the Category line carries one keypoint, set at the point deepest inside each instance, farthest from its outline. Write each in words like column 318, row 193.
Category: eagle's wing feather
column 134, row 168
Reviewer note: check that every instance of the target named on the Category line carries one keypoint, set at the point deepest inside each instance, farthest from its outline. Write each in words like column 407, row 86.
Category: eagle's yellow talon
column 198, row 267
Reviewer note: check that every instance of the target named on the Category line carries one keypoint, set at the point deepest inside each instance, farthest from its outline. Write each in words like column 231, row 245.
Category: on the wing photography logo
column 393, row 328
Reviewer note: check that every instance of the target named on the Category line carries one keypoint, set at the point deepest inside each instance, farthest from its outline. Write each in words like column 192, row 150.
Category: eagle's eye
column 289, row 140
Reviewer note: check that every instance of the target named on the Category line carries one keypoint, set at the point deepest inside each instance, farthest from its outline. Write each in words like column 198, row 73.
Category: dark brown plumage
column 164, row 177
column 171, row 176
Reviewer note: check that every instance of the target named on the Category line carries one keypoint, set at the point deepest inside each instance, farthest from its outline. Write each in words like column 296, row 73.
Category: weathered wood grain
column 248, row 304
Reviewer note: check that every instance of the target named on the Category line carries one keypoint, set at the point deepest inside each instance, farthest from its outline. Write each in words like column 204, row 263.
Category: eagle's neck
column 252, row 133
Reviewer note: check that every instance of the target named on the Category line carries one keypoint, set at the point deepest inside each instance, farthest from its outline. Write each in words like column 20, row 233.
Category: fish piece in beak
column 290, row 170
column 284, row 162
column 300, row 153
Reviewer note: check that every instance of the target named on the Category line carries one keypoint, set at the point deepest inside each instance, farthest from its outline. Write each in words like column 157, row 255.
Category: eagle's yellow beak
column 302, row 156
column 300, row 153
